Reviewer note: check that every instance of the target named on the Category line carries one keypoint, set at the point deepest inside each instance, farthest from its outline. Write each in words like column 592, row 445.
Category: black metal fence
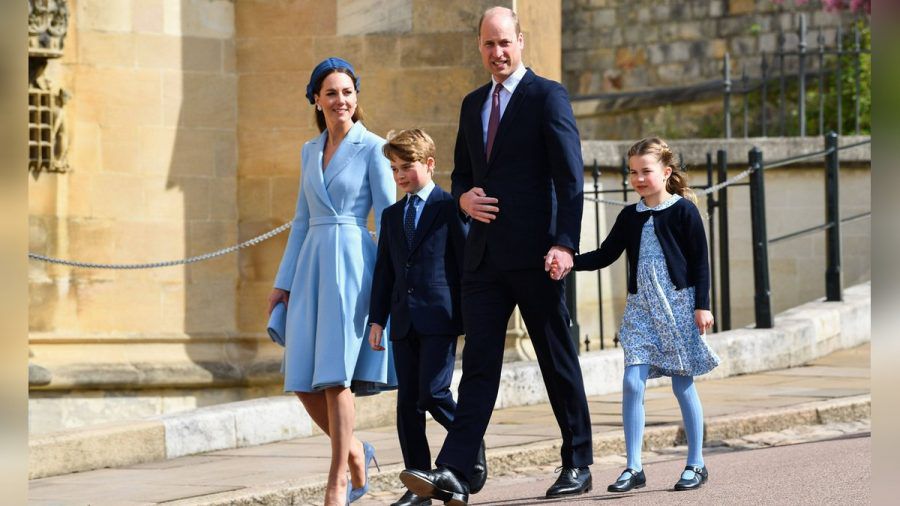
column 832, row 225
column 716, row 192
column 787, row 74
column 789, row 90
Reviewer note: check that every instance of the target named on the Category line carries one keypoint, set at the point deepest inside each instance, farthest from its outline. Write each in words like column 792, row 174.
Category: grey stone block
column 100, row 446
column 261, row 421
column 198, row 431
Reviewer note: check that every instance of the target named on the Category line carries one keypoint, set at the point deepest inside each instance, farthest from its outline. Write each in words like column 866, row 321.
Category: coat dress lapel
column 313, row 173
column 350, row 146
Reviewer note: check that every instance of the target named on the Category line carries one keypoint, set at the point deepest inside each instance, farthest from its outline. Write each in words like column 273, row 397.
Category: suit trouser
column 489, row 296
column 424, row 365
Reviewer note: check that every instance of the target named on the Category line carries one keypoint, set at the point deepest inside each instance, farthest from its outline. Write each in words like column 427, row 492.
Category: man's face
column 500, row 46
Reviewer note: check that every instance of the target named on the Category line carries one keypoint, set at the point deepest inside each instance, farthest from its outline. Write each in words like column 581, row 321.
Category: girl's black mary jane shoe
column 699, row 478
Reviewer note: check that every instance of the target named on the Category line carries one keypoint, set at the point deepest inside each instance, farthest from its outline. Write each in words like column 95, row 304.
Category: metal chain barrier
column 706, row 191
column 260, row 238
column 90, row 265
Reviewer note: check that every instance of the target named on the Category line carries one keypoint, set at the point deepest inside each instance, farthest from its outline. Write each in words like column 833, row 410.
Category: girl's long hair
column 677, row 181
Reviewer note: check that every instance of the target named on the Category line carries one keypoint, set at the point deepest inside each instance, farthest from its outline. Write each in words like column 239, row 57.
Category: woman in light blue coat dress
column 325, row 275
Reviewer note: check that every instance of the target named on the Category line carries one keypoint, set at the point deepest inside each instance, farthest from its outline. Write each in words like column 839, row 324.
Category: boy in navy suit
column 417, row 283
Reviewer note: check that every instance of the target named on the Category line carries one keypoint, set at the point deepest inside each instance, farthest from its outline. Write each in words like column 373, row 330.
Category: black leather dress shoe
column 571, row 481
column 410, row 499
column 441, row 484
column 699, row 478
column 479, row 473
column 635, row 479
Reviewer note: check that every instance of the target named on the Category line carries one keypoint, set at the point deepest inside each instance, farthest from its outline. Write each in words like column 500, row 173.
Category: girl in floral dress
column 667, row 309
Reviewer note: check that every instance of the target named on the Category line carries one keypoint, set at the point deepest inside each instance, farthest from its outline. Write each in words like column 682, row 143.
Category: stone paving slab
column 293, row 472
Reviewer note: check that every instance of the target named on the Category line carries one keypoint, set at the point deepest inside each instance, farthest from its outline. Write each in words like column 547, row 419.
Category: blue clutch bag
column 277, row 323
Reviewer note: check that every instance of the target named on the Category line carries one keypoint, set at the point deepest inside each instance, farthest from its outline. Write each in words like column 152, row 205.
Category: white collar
column 512, row 81
column 425, row 192
column 641, row 206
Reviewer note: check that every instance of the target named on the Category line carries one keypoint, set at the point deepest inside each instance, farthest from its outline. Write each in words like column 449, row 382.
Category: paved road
column 830, row 472
column 800, row 469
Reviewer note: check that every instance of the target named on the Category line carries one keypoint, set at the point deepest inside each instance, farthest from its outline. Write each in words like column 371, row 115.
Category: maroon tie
column 493, row 119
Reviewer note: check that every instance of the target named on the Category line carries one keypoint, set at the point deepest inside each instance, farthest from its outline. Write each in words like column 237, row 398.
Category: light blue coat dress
column 327, row 268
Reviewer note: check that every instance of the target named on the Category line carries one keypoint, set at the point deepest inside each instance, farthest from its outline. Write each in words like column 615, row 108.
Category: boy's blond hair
column 412, row 145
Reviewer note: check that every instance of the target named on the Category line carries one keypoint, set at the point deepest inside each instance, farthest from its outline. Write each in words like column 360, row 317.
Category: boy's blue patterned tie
column 409, row 221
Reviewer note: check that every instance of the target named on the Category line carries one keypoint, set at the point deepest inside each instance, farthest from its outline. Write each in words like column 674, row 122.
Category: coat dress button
column 411, row 290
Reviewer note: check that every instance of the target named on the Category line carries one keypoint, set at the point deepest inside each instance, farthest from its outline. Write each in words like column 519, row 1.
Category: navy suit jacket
column 420, row 287
column 536, row 172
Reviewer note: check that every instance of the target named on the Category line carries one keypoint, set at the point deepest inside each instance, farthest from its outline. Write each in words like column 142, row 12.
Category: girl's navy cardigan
column 679, row 229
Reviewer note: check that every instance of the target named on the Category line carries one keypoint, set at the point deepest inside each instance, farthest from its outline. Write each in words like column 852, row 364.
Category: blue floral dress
column 658, row 325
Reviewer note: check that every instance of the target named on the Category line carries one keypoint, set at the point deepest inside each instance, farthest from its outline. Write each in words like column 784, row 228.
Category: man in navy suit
column 518, row 176
column 417, row 283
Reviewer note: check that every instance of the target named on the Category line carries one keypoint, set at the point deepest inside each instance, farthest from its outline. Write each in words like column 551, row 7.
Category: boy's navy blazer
column 420, row 287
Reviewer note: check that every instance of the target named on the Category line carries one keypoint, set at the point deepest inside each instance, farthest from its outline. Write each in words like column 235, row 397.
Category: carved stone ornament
column 47, row 25
column 48, row 137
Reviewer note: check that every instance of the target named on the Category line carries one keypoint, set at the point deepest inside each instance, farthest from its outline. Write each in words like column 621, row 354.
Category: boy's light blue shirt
column 423, row 194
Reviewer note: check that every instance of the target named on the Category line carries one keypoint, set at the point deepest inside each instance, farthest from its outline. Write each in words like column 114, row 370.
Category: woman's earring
column 318, row 107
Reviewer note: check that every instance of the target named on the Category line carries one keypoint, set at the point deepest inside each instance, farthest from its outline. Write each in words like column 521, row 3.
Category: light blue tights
column 633, row 386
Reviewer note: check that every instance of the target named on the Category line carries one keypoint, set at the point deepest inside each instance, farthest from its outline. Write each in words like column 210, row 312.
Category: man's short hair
column 509, row 11
column 412, row 145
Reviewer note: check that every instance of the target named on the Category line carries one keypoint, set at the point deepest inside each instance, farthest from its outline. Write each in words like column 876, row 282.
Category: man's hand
column 375, row 334
column 703, row 319
column 558, row 262
column 478, row 205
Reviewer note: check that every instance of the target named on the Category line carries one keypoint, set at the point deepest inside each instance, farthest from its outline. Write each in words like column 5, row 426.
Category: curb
column 500, row 461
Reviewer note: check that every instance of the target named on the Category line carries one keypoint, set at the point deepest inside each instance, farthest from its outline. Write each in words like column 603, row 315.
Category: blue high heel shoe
column 356, row 493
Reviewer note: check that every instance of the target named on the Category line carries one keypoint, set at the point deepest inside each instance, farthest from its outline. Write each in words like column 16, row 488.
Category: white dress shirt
column 507, row 88
column 423, row 194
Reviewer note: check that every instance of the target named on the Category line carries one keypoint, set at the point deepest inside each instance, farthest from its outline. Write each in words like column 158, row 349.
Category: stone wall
column 187, row 119
column 415, row 68
column 611, row 46
column 153, row 122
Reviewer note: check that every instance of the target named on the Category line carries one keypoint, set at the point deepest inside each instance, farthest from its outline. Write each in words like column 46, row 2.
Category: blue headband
column 326, row 67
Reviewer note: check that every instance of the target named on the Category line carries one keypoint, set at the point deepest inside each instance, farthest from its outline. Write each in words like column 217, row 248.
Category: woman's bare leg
column 317, row 407
column 341, row 415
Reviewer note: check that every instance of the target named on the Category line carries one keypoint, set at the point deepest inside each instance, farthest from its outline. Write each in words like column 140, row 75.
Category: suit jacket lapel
column 476, row 126
column 398, row 221
column 428, row 213
column 515, row 102
column 348, row 149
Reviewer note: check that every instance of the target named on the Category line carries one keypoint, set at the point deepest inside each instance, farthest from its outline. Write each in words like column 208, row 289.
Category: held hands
column 278, row 295
column 704, row 319
column 558, row 262
column 376, row 332
column 478, row 205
